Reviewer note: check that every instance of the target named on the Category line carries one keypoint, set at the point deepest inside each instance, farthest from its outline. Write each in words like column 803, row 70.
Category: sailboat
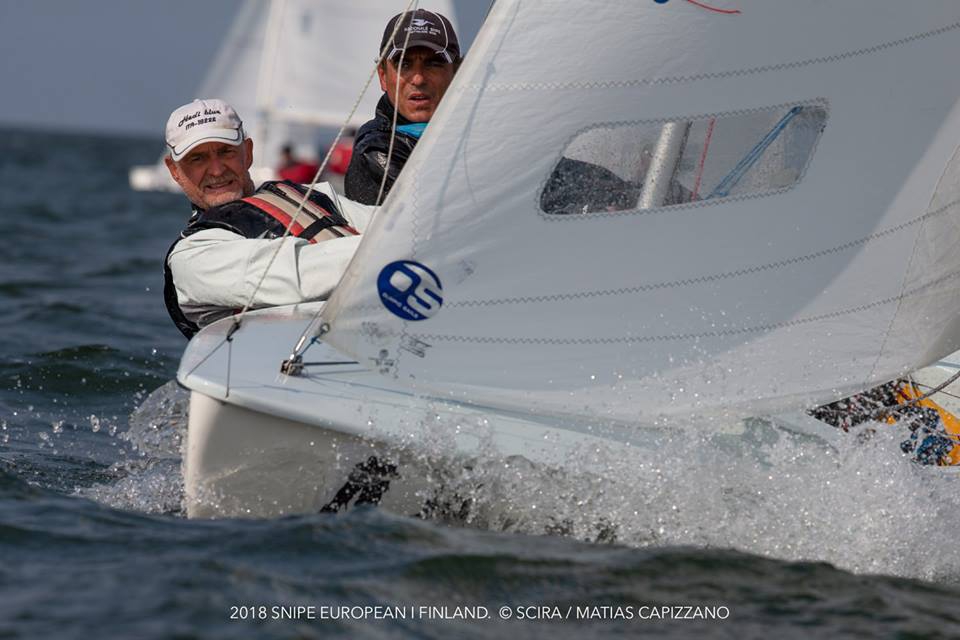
column 292, row 69
column 624, row 216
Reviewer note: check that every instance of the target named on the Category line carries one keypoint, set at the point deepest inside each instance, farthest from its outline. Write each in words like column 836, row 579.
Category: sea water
column 803, row 540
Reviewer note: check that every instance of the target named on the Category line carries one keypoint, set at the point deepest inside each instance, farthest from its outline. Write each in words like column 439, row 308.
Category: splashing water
column 863, row 505
column 149, row 480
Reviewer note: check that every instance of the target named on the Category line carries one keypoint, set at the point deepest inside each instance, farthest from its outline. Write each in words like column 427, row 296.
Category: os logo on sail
column 410, row 290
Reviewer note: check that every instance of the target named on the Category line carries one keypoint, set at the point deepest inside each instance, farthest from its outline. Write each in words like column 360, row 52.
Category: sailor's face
column 214, row 173
column 424, row 78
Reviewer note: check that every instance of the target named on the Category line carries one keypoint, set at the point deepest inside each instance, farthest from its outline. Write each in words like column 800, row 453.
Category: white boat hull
column 273, row 445
column 240, row 462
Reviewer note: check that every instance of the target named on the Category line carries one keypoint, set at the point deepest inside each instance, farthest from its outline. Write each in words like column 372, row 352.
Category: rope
column 238, row 318
column 396, row 110
column 302, row 345
column 886, row 411
column 731, row 180
column 206, row 357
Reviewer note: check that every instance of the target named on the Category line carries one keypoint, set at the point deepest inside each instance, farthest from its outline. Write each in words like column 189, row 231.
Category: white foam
column 149, row 480
column 863, row 506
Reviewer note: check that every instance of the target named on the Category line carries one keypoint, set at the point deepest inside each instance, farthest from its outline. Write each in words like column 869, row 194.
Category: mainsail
column 797, row 241
column 290, row 67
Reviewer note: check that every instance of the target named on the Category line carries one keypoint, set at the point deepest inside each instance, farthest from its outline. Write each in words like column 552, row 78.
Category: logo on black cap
column 421, row 28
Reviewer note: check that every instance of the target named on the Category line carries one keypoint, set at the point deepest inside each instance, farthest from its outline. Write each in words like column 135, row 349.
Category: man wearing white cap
column 212, row 270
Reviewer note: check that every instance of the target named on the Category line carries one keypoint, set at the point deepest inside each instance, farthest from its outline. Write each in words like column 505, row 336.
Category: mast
column 663, row 164
column 268, row 65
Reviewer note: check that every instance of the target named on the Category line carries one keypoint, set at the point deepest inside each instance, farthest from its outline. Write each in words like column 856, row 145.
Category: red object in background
column 299, row 172
column 340, row 157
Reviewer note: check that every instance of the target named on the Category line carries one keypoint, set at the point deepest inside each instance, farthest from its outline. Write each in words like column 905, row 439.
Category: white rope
column 238, row 318
column 883, row 413
column 393, row 125
column 302, row 342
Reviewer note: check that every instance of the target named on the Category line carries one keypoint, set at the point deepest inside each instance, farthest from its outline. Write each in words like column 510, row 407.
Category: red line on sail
column 703, row 158
column 709, row 8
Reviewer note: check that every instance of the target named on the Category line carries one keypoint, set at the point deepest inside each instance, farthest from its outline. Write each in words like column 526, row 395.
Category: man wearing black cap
column 414, row 86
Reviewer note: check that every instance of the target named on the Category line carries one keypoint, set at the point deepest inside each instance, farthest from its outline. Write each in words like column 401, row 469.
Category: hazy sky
column 120, row 65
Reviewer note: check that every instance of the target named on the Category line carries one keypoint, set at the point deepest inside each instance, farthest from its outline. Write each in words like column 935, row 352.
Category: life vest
column 264, row 215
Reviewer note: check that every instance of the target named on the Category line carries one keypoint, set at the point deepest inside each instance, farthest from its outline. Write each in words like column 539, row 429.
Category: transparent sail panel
column 660, row 164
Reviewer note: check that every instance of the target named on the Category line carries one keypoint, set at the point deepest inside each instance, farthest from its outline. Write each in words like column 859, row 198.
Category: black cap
column 427, row 29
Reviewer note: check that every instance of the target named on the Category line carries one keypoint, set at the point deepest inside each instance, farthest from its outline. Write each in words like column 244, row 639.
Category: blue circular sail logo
column 410, row 290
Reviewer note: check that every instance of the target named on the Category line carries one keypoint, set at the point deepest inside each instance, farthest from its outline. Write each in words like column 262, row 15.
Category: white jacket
column 215, row 271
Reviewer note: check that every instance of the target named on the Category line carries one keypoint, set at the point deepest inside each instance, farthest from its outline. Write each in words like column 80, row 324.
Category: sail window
column 647, row 165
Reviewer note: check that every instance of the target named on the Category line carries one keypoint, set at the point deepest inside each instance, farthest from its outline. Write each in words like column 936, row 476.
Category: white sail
column 236, row 66
column 290, row 67
column 313, row 60
column 829, row 264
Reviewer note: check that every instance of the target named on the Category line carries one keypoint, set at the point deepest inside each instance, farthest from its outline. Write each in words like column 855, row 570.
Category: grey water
column 93, row 542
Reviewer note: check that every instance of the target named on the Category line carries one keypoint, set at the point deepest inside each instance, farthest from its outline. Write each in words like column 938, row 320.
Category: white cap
column 209, row 120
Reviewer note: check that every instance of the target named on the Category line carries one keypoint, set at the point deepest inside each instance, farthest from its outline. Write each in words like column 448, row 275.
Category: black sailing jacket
column 370, row 147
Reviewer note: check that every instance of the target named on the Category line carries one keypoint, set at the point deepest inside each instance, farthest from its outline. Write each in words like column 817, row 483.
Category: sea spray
column 861, row 505
column 148, row 480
